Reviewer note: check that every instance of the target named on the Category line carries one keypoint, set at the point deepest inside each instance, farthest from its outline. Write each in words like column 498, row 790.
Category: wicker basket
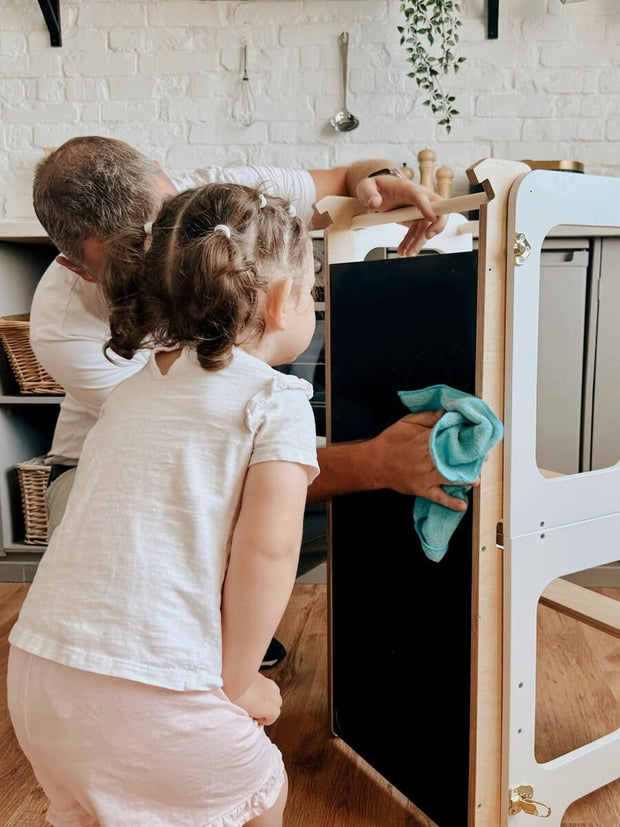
column 33, row 475
column 31, row 377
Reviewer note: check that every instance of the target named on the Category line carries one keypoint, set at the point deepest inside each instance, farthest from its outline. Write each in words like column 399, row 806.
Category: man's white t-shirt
column 69, row 320
column 130, row 584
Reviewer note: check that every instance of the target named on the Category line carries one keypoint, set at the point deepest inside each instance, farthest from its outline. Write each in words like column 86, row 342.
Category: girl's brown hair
column 185, row 282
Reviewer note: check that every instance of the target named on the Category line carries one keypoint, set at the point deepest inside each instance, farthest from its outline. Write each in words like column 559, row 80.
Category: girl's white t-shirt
column 130, row 584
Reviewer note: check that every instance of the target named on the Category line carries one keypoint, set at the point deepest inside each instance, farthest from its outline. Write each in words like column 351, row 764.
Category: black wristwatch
column 395, row 172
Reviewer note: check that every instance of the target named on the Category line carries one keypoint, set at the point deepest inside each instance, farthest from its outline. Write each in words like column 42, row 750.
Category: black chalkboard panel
column 401, row 624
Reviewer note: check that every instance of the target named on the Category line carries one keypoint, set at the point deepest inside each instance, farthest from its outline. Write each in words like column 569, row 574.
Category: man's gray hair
column 92, row 187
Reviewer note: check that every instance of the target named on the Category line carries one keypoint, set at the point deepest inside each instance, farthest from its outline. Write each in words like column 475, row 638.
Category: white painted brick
column 89, row 113
column 311, row 34
column 612, row 132
column 199, row 110
column 18, row 137
column 590, row 55
column 184, row 63
column 100, row 65
column 476, row 129
column 171, row 13
column 15, row 91
column 37, row 65
column 576, row 81
column 590, row 106
column 12, row 43
column 228, row 132
column 186, row 158
column 100, row 14
column 88, row 89
column 609, row 81
column 55, row 135
column 43, row 112
column 124, row 112
column 538, row 150
column 513, row 105
column 566, row 129
column 153, row 40
column 132, row 88
column 549, row 29
column 86, row 41
column 51, row 90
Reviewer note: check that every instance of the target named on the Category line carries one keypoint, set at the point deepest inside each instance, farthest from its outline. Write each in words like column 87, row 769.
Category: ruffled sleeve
column 281, row 421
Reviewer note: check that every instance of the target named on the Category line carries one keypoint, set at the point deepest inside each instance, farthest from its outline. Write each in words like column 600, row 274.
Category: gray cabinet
column 562, row 352
column 26, row 422
column 605, row 445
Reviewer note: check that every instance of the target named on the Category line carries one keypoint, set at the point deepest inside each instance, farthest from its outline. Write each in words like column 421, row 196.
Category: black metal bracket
column 51, row 13
column 492, row 19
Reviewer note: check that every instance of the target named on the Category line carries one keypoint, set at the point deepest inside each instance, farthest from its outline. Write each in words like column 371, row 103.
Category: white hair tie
column 262, row 201
column 292, row 211
column 148, row 228
column 222, row 228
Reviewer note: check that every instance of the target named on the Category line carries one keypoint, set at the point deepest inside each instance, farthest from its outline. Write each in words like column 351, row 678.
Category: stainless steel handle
column 344, row 48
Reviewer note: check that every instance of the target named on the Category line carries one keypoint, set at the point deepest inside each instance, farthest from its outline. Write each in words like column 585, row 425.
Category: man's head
column 90, row 188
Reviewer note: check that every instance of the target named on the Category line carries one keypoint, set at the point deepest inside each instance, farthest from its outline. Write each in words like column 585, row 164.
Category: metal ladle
column 344, row 121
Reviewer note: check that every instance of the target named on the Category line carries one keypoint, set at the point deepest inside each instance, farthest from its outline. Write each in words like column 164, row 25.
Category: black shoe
column 274, row 654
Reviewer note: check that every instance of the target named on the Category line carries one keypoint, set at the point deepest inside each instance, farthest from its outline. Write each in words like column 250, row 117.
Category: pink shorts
column 117, row 753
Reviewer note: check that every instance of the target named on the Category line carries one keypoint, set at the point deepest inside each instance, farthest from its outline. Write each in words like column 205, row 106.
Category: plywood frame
column 578, row 512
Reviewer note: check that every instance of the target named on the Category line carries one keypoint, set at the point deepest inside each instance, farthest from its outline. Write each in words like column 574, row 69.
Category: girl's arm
column 262, row 568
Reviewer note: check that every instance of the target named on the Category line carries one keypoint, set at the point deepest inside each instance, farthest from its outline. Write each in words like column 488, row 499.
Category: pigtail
column 222, row 296
column 120, row 285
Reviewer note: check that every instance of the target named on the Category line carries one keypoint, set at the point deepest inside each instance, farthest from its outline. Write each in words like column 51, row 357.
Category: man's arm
column 398, row 458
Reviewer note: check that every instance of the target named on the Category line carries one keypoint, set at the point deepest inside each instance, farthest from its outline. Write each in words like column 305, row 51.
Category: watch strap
column 385, row 171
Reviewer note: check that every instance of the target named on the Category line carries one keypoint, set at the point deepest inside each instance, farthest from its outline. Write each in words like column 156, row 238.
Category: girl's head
column 222, row 265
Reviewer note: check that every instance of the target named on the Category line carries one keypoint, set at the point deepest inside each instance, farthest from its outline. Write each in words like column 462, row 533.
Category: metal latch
column 521, row 248
column 521, row 801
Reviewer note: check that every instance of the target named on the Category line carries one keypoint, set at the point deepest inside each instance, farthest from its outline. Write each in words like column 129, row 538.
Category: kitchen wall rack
column 51, row 14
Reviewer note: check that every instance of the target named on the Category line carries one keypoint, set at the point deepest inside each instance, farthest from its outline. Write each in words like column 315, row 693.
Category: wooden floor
column 578, row 700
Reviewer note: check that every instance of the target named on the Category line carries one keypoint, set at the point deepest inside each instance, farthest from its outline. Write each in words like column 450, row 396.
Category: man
column 92, row 187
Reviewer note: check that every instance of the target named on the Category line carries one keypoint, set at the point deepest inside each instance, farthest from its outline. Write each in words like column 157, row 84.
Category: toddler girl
column 133, row 679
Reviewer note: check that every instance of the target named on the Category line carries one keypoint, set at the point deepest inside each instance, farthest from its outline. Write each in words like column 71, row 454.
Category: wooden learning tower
column 527, row 527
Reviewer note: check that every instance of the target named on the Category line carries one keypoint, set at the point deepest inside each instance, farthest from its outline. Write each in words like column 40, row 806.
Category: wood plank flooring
column 330, row 786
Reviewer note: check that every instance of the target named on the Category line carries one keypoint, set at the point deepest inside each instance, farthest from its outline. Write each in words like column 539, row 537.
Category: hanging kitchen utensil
column 245, row 108
column 344, row 121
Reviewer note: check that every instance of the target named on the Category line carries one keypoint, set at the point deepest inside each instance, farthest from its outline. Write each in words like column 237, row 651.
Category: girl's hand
column 262, row 700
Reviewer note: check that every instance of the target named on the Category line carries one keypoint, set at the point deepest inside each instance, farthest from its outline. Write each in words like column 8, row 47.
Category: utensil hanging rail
column 51, row 13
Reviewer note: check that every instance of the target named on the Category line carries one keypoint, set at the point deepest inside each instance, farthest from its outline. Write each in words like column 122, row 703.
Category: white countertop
column 29, row 230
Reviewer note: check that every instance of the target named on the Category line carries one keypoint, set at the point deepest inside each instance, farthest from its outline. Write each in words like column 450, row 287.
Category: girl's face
column 301, row 319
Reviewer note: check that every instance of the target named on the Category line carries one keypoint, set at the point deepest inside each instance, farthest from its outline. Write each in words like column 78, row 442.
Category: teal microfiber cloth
column 459, row 443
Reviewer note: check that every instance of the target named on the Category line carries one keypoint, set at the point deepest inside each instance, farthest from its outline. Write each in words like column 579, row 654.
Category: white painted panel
column 542, row 200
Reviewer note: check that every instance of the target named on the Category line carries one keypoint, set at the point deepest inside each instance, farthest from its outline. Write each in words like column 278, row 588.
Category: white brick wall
column 163, row 75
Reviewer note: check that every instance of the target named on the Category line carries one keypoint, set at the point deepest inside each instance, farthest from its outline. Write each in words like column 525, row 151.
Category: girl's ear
column 279, row 294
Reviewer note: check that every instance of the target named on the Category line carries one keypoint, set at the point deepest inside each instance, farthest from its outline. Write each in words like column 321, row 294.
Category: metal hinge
column 521, row 248
column 521, row 801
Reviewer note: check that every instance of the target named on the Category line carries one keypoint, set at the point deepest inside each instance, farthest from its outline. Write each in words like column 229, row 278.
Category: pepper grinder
column 426, row 163
column 245, row 108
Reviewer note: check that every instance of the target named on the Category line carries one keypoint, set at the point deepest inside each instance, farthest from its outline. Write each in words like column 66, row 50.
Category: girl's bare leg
column 273, row 816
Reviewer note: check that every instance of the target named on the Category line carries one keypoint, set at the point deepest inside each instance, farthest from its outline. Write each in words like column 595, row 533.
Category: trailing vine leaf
column 430, row 36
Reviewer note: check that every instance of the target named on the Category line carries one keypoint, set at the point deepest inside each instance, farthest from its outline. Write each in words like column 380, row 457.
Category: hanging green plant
column 430, row 35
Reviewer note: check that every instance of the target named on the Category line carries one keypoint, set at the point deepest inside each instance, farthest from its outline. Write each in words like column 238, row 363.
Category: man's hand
column 404, row 463
column 386, row 192
column 261, row 700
